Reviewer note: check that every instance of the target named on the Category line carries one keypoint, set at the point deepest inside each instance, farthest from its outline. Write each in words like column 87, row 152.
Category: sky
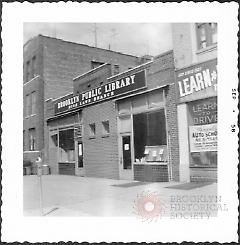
column 131, row 38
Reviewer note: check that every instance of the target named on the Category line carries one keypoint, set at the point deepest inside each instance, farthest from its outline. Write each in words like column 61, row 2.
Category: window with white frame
column 105, row 127
column 92, row 130
column 32, row 139
column 206, row 34
column 31, row 104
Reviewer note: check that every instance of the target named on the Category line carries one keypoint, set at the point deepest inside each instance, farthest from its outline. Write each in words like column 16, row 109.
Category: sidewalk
column 82, row 196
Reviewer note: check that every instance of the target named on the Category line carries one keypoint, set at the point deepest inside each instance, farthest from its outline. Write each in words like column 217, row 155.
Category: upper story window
column 24, row 140
column 28, row 72
column 31, row 104
column 34, row 67
column 116, row 69
column 92, row 130
column 105, row 127
column 32, row 139
column 206, row 34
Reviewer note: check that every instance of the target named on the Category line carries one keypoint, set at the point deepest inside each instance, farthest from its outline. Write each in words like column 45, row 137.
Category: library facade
column 120, row 127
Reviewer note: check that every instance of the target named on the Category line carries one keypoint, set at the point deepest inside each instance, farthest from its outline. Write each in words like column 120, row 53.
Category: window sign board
column 80, row 149
column 203, row 137
column 126, row 147
column 198, row 81
column 203, row 111
column 106, row 91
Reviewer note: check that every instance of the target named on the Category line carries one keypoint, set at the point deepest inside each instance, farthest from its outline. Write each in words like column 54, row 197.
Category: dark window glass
column 92, row 129
column 140, row 134
column 149, row 130
column 28, row 71
column 80, row 154
column 66, row 144
column 206, row 34
column 206, row 158
column 32, row 139
column 156, row 128
column 34, row 67
column 106, row 128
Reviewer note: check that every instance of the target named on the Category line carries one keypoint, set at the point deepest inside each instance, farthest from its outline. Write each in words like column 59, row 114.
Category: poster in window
column 126, row 147
column 203, row 137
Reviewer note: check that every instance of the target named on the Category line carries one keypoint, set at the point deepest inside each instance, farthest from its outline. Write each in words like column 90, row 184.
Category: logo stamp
column 148, row 206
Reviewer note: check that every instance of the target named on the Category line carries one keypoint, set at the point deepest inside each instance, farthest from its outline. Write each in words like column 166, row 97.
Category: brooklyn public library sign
column 107, row 91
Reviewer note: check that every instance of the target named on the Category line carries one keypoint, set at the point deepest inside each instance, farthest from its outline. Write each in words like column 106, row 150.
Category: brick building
column 117, row 125
column 49, row 66
column 195, row 56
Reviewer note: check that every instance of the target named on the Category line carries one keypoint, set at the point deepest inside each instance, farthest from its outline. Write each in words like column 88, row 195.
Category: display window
column 66, row 145
column 203, row 132
column 149, row 131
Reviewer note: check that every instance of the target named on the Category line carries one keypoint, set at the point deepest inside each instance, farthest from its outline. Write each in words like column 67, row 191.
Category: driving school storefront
column 197, row 121
column 124, row 127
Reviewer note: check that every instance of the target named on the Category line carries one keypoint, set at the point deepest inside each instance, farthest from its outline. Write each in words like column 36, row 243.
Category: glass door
column 79, row 158
column 126, row 166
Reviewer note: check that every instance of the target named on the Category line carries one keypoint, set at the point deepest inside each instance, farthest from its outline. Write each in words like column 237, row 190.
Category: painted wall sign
column 203, row 111
column 101, row 93
column 198, row 81
column 203, row 138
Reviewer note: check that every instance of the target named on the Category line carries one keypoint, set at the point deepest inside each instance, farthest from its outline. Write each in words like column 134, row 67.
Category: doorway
column 79, row 158
column 126, row 163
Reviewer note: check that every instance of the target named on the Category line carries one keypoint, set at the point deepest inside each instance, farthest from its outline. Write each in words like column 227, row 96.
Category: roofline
column 61, row 96
column 91, row 71
column 40, row 35
column 130, row 70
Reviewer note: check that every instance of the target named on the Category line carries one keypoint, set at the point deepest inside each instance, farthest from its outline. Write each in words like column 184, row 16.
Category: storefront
column 65, row 147
column 127, row 124
column 197, row 121
column 143, row 147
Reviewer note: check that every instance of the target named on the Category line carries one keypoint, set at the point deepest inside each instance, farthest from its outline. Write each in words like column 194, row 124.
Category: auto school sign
column 106, row 91
column 203, row 138
column 198, row 81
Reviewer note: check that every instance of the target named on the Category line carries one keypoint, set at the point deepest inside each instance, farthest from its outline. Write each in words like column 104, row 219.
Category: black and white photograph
column 121, row 121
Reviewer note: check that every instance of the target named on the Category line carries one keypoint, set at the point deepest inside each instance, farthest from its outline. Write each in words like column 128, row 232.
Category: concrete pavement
column 82, row 196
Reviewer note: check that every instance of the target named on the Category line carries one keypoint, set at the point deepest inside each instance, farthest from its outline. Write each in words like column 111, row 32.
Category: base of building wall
column 31, row 155
column 184, row 173
column 203, row 174
column 151, row 173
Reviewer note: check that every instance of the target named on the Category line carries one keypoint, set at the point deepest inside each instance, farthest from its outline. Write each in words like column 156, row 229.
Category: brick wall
column 100, row 153
column 36, row 120
column 161, row 72
column 57, row 63
column 171, row 113
column 64, row 61
column 182, row 44
column 185, row 48
column 92, row 79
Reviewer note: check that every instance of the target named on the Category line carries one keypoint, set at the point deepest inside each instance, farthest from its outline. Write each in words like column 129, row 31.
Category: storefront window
column 155, row 99
column 66, row 145
column 149, row 130
column 124, row 106
column 203, row 132
column 124, row 124
column 139, row 103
